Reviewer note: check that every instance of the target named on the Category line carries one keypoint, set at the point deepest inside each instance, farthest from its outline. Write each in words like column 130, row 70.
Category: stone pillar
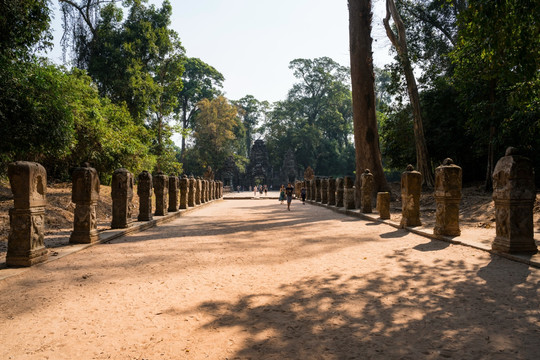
column 161, row 189
column 366, row 190
column 28, row 182
column 220, row 189
column 213, row 187
column 85, row 195
column 348, row 193
column 318, row 186
column 514, row 195
column 203, row 191
column 411, row 187
column 339, row 192
column 308, row 189
column 191, row 192
column 447, row 196
column 122, row 198
column 144, row 190
column 332, row 191
column 207, row 193
column 184, row 192
column 198, row 190
column 173, row 193
column 383, row 205
column 324, row 191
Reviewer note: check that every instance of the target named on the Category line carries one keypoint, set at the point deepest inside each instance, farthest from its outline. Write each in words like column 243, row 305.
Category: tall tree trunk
column 184, row 126
column 400, row 43
column 366, row 135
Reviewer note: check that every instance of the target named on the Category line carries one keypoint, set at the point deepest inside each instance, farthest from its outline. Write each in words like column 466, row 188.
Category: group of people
column 260, row 189
column 287, row 193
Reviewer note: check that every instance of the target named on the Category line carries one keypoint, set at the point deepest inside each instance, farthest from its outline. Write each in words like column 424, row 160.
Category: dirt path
column 246, row 279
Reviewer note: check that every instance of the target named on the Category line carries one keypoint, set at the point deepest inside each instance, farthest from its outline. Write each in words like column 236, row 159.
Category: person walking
column 289, row 190
column 281, row 194
column 303, row 194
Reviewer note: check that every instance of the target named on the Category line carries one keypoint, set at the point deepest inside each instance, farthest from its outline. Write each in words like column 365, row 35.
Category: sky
column 251, row 42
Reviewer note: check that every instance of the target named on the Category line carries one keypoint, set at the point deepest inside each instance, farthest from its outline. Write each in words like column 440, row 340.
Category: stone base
column 514, row 246
column 84, row 237
column 32, row 257
column 26, row 238
column 446, row 231
column 121, row 225
column 409, row 222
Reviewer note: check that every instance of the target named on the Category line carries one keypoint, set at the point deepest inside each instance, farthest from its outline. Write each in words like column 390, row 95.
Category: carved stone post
column 514, row 195
column 203, row 191
column 339, row 192
column 161, row 189
column 85, row 195
column 207, row 190
column 220, row 189
column 308, row 189
column 184, row 192
column 447, row 196
column 324, row 191
column 318, row 186
column 331, row 191
column 191, row 192
column 28, row 182
column 198, row 190
column 122, row 198
column 173, row 193
column 348, row 193
column 144, row 191
column 411, row 187
column 366, row 189
column 383, row 205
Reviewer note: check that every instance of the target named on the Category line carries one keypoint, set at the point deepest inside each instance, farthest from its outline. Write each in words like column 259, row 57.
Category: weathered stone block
column 366, row 190
column 324, row 191
column 173, row 194
column 184, row 192
column 122, row 198
column 514, row 194
column 161, row 191
column 198, row 191
column 85, row 195
column 28, row 181
column 191, row 192
column 318, row 194
column 411, row 187
column 383, row 205
column 447, row 196
column 339, row 192
column 348, row 193
column 331, row 191
column 144, row 191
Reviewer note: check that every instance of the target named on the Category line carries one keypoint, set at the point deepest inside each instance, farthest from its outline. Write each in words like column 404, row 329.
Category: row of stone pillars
column 28, row 182
column 514, row 195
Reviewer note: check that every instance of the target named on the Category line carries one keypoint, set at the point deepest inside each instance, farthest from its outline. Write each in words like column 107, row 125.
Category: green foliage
column 315, row 120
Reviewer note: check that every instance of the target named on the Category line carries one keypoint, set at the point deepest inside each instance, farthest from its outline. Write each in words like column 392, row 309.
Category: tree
column 215, row 128
column 251, row 111
column 366, row 136
column 200, row 81
column 399, row 42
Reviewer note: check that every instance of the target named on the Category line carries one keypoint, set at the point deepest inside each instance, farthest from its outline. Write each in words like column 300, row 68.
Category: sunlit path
column 249, row 279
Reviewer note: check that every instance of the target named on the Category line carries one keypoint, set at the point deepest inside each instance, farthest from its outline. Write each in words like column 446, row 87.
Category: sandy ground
column 245, row 279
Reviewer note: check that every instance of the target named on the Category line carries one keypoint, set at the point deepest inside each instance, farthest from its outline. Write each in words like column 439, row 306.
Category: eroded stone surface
column 348, row 193
column 331, row 191
column 447, row 197
column 366, row 189
column 85, row 195
column 339, row 192
column 28, row 181
column 191, row 192
column 318, row 195
column 324, row 191
column 383, row 205
column 198, row 191
column 514, row 194
column 184, row 190
column 411, row 187
column 122, row 198
column 161, row 191
column 144, row 191
column 174, row 193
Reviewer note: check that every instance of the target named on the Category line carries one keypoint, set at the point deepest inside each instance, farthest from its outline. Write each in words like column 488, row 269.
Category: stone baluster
column 411, row 187
column 122, row 199
column 318, row 186
column 161, row 189
column 324, row 191
column 144, row 191
column 348, row 193
column 184, row 192
column 332, row 191
column 447, row 196
column 85, row 195
column 198, row 190
column 191, row 192
column 207, row 190
column 366, row 190
column 26, row 246
column 514, row 195
column 339, row 192
column 203, row 191
column 173, row 193
column 383, row 205
column 308, row 189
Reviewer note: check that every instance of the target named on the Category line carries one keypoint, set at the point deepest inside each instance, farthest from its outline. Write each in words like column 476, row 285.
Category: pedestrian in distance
column 281, row 194
column 289, row 190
